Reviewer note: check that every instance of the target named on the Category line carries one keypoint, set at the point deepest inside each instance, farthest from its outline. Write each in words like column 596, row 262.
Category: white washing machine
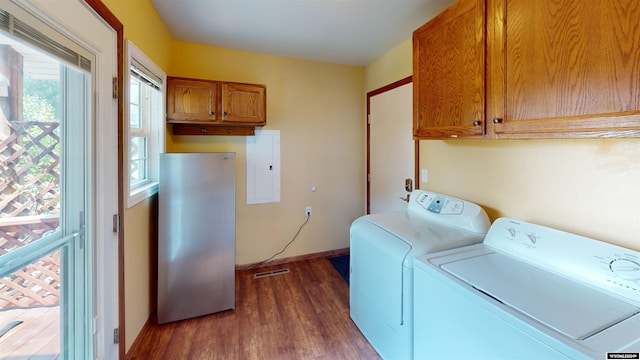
column 528, row 292
column 382, row 249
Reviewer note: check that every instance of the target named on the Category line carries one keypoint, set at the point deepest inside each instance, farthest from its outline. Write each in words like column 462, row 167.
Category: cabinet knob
column 212, row 112
column 224, row 113
column 477, row 123
column 203, row 130
column 497, row 120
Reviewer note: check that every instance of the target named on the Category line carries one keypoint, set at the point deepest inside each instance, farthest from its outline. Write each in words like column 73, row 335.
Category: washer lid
column 567, row 306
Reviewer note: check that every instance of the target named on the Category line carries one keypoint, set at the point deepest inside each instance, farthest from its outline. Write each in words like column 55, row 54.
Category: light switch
column 424, row 176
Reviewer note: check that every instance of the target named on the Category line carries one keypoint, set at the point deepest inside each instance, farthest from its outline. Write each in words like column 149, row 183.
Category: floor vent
column 270, row 273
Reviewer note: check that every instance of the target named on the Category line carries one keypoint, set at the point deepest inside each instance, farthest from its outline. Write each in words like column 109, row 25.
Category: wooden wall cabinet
column 448, row 73
column 210, row 107
column 553, row 69
column 244, row 104
column 190, row 100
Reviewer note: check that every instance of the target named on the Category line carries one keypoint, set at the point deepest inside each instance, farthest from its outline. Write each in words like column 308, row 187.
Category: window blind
column 145, row 75
column 23, row 31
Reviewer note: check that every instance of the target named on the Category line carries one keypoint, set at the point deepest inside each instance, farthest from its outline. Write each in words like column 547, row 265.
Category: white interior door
column 392, row 148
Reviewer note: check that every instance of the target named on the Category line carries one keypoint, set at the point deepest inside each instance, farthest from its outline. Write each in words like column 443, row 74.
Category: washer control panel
column 439, row 204
column 453, row 211
column 628, row 269
column 604, row 265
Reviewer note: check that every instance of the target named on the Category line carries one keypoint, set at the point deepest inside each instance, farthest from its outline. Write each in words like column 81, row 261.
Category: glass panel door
column 45, row 308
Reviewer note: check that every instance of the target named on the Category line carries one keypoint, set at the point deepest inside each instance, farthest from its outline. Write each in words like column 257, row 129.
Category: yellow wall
column 318, row 109
column 391, row 67
column 144, row 28
column 140, row 253
column 588, row 187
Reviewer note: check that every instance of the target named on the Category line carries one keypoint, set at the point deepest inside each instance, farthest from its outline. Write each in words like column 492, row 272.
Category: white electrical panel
column 263, row 167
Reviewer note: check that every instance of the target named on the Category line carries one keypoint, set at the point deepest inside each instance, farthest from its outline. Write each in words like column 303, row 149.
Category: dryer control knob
column 625, row 268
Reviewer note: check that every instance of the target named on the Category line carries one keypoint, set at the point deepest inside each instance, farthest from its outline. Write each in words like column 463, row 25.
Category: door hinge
column 116, row 223
column 369, row 177
column 116, row 336
column 115, row 87
column 369, row 119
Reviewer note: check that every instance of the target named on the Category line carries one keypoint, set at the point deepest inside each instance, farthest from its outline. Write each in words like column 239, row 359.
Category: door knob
column 408, row 185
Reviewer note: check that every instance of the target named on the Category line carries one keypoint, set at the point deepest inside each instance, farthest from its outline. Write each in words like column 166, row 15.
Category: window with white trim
column 144, row 131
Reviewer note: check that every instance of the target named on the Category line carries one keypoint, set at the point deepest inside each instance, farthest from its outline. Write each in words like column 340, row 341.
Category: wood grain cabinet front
column 190, row 100
column 564, row 68
column 195, row 105
column 244, row 104
column 448, row 73
column 552, row 69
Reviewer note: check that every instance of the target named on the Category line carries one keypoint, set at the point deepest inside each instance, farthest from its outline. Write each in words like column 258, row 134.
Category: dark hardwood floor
column 303, row 314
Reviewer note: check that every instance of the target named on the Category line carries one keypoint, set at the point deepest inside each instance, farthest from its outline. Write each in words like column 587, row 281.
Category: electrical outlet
column 307, row 211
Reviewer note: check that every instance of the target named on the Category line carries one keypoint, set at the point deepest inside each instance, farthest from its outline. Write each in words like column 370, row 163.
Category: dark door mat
column 341, row 263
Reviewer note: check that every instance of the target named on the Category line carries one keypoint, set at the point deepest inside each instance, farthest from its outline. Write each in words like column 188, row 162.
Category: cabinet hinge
column 116, row 336
column 116, row 223
column 115, row 87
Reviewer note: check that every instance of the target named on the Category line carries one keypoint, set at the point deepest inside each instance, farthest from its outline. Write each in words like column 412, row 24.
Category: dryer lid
column 422, row 235
column 570, row 307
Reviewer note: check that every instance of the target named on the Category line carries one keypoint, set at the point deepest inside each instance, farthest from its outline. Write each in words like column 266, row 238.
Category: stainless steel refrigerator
column 196, row 235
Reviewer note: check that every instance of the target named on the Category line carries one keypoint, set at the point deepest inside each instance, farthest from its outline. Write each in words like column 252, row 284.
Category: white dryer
column 528, row 292
column 382, row 249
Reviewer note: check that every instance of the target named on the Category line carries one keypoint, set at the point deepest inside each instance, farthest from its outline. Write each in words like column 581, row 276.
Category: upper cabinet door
column 449, row 75
column 560, row 68
column 244, row 104
column 191, row 100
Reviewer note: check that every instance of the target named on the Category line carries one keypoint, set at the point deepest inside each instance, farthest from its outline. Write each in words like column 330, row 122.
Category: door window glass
column 44, row 111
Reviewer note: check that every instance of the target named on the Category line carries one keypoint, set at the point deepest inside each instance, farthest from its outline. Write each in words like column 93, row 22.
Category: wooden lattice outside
column 29, row 184
column 37, row 283
column 29, row 208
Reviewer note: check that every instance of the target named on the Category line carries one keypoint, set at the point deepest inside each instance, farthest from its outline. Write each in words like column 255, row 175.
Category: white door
column 88, row 173
column 391, row 149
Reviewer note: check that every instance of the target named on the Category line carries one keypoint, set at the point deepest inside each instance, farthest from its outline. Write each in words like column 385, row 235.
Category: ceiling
column 349, row 32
